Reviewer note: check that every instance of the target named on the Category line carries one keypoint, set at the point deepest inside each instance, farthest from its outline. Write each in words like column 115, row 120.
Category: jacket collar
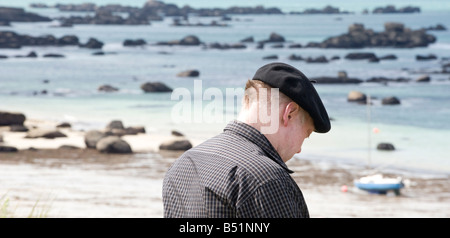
column 257, row 138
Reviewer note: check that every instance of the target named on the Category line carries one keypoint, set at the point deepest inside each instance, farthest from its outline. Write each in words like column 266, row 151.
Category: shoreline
column 150, row 141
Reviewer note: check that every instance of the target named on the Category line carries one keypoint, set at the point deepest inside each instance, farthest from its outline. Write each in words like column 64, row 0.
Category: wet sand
column 86, row 183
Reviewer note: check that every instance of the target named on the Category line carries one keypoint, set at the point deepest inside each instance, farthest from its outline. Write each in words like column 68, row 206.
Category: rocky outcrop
column 52, row 55
column 274, row 38
column 356, row 96
column 138, row 42
column 9, row 14
column 5, row 148
column 393, row 9
column 92, row 43
column 154, row 7
column 360, row 56
column 92, row 137
column 270, row 57
column 176, row 144
column 104, row 17
column 390, row 101
column 385, row 146
column 18, row 128
column 114, row 145
column 10, row 39
column 116, row 128
column 426, row 57
column 11, row 118
column 189, row 40
column 151, row 87
column 189, row 73
column 43, row 133
column 326, row 10
column 336, row 80
column 423, row 79
column 395, row 35
column 107, row 88
column 226, row 46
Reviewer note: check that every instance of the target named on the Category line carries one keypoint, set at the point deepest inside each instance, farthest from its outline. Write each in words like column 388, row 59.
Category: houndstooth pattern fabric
column 237, row 174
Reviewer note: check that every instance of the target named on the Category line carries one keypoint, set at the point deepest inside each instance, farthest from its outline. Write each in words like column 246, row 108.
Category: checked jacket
column 236, row 174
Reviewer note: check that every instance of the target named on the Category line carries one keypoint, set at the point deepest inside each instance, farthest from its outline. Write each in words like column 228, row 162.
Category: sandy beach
column 50, row 182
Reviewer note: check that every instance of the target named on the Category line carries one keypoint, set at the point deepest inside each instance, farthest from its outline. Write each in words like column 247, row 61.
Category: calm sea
column 419, row 127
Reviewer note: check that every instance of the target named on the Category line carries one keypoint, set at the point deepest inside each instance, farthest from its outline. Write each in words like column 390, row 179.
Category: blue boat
column 380, row 185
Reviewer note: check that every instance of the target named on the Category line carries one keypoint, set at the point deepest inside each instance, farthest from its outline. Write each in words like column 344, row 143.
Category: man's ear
column 289, row 111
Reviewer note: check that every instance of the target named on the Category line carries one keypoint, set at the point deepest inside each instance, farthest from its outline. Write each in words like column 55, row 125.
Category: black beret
column 297, row 87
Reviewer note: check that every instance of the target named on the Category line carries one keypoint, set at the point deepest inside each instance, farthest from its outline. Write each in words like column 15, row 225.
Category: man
column 242, row 173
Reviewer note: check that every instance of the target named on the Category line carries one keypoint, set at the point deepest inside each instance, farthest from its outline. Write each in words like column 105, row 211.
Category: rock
column 92, row 44
column 320, row 59
column 342, row 75
column 227, row 46
column 5, row 23
column 18, row 128
column 15, row 41
column 392, row 9
column 151, row 87
column 356, row 96
column 426, row 57
column 270, row 57
column 32, row 54
column 68, row 147
column 295, row 57
column 189, row 73
column 177, row 133
column 295, row 46
column 395, row 35
column 64, row 125
column 336, row 80
column 92, row 137
column 116, row 124
column 385, row 146
column 190, row 40
column 423, row 78
column 138, row 42
column 177, row 144
column 53, row 56
column 42, row 133
column 438, row 27
column 394, row 26
column 277, row 46
column 390, row 101
column 10, row 14
column 4, row 148
column 385, row 80
column 360, row 56
column 97, row 53
column 11, row 118
column 326, row 10
column 114, row 145
column 107, row 88
column 388, row 57
column 249, row 39
column 67, row 40
column 134, row 130
column 274, row 38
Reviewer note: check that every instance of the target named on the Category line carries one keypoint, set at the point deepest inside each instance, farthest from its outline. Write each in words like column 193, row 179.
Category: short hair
column 252, row 92
column 251, row 96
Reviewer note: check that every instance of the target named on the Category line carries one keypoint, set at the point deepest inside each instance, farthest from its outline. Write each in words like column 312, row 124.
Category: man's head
column 290, row 103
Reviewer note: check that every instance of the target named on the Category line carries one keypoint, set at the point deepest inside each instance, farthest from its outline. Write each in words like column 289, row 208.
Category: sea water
column 419, row 127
